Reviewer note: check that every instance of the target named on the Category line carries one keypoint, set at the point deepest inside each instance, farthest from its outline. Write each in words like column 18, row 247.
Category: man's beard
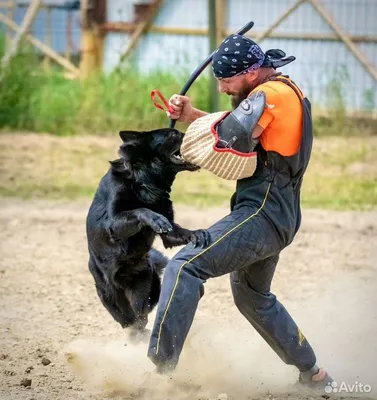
column 237, row 98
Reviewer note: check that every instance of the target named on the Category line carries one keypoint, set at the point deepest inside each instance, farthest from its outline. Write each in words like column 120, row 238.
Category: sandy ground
column 49, row 309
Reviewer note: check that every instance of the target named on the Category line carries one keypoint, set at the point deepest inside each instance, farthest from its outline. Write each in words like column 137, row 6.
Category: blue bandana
column 237, row 55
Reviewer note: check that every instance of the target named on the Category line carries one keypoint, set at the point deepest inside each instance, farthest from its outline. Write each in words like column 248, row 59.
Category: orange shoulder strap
column 290, row 83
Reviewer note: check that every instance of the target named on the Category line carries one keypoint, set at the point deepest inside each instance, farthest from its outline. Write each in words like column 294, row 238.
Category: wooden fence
column 95, row 26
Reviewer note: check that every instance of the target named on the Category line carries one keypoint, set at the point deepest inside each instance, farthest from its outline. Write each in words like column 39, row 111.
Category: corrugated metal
column 185, row 14
column 322, row 68
column 157, row 51
column 64, row 32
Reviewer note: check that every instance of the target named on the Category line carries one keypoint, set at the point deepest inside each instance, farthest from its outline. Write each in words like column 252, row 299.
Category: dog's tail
column 157, row 260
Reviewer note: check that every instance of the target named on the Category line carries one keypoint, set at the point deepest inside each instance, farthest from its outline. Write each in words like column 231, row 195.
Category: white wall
column 318, row 62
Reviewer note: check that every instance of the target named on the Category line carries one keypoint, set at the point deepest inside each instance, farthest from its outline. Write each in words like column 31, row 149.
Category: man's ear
column 252, row 76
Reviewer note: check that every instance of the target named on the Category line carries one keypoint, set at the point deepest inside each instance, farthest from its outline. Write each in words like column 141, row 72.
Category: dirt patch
column 49, row 310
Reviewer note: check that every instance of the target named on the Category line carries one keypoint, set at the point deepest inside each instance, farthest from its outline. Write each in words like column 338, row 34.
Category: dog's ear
column 130, row 137
column 117, row 165
column 128, row 153
column 123, row 166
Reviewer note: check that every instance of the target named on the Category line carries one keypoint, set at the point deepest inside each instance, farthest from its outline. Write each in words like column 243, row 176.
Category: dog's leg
column 154, row 294
column 112, row 299
column 117, row 305
column 139, row 296
column 181, row 236
column 128, row 223
column 157, row 260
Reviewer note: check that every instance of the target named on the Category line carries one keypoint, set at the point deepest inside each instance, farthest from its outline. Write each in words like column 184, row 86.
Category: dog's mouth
column 177, row 159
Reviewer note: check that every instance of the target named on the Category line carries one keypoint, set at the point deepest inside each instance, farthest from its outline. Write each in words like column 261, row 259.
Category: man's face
column 239, row 87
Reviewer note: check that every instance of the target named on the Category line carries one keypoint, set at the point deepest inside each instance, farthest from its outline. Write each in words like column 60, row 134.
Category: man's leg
column 241, row 238
column 252, row 296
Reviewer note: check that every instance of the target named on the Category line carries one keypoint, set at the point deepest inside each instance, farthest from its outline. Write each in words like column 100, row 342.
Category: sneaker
column 317, row 382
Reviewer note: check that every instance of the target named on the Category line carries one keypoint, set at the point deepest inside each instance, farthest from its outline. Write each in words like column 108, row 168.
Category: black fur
column 132, row 204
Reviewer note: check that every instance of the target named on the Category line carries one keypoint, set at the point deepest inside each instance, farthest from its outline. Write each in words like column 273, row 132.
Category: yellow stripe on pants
column 202, row 252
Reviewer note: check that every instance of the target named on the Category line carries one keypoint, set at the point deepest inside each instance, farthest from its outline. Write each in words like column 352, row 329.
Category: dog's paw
column 172, row 239
column 160, row 224
column 137, row 336
column 201, row 238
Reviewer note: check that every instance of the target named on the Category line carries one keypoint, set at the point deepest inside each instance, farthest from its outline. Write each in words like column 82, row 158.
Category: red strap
column 168, row 107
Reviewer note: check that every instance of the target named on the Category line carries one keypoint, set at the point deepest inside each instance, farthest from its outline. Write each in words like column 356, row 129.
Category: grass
column 342, row 173
column 82, row 117
column 43, row 101
column 39, row 100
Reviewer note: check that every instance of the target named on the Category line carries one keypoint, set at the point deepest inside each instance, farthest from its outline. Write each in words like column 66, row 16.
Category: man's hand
column 183, row 109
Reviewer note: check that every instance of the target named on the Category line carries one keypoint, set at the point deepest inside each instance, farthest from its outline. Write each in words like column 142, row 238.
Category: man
column 265, row 212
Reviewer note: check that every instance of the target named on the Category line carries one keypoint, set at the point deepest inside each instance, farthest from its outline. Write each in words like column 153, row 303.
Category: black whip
column 203, row 65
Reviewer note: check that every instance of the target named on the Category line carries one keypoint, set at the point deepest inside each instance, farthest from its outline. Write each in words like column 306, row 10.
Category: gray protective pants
column 245, row 245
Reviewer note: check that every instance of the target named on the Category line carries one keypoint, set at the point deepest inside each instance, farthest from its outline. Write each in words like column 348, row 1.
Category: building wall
column 322, row 68
column 65, row 25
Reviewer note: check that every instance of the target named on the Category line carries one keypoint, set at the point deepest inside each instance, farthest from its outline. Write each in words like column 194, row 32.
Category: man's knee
column 193, row 261
column 248, row 300
column 184, row 268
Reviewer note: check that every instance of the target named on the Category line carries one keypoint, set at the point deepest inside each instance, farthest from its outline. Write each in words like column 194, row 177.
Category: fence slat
column 141, row 28
column 41, row 46
column 26, row 23
column 127, row 27
column 346, row 39
column 269, row 30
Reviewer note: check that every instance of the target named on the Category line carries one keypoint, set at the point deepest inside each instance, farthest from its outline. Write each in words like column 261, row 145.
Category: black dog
column 132, row 204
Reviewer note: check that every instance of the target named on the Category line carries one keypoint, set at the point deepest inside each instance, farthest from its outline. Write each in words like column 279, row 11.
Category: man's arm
column 197, row 114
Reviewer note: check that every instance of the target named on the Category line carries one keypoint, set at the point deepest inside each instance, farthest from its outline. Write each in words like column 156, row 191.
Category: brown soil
column 49, row 311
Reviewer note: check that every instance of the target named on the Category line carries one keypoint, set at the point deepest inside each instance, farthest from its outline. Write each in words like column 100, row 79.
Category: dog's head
column 154, row 152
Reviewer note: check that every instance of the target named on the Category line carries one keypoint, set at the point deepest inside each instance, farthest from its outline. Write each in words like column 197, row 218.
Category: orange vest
column 282, row 119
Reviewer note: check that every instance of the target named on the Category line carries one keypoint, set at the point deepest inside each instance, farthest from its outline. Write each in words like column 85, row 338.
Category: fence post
column 91, row 38
column 11, row 9
column 213, row 34
column 48, row 35
column 221, row 14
